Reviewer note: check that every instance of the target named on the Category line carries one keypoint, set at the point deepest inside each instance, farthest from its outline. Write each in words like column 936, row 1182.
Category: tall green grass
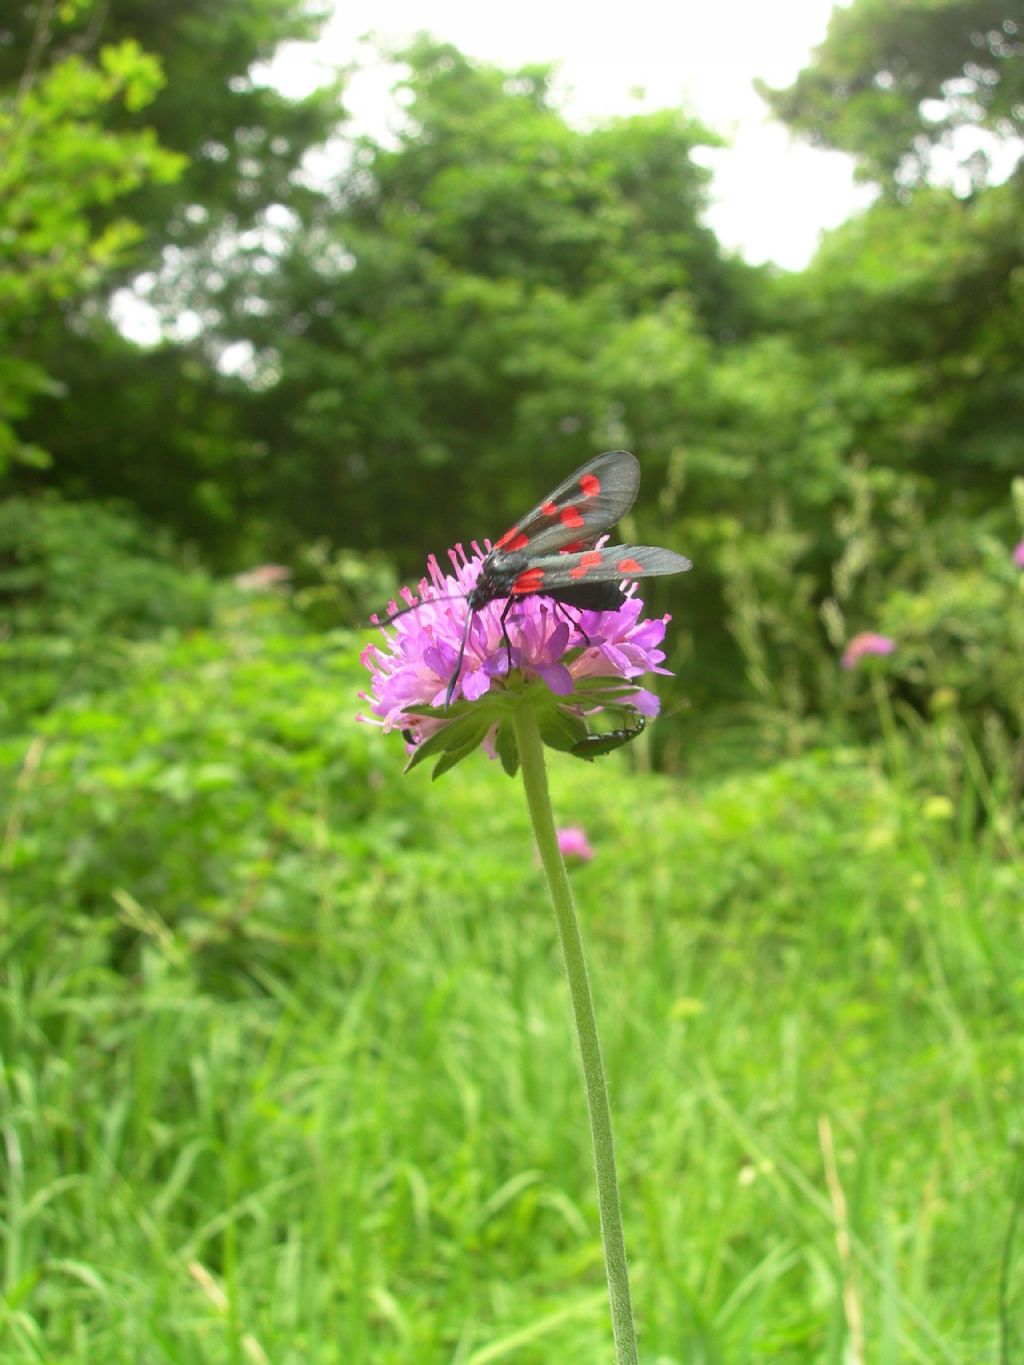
column 286, row 1064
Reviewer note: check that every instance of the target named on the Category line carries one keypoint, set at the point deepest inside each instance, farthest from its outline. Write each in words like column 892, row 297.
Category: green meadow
column 288, row 1071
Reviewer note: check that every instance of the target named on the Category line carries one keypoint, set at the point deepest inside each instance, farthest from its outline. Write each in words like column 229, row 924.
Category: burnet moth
column 552, row 551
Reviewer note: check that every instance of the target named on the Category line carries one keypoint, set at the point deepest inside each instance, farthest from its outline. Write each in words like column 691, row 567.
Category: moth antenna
column 413, row 606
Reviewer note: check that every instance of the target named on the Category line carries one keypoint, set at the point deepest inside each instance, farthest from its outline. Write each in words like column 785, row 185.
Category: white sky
column 771, row 196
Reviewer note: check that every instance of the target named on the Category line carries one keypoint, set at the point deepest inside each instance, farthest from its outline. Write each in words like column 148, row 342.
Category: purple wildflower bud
column 562, row 646
column 1018, row 555
column 572, row 843
column 867, row 642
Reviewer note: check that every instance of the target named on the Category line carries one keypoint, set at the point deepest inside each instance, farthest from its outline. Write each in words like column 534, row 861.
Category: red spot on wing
column 570, row 516
column 628, row 566
column 530, row 580
column 549, row 509
column 572, row 547
column 513, row 539
column 588, row 562
column 590, row 485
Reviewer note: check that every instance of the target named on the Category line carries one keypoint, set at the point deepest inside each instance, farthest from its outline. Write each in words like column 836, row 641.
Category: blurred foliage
column 944, row 589
column 409, row 350
column 77, row 582
column 341, row 588
column 895, row 80
column 197, row 778
column 64, row 179
column 159, row 427
column 928, row 299
column 241, row 140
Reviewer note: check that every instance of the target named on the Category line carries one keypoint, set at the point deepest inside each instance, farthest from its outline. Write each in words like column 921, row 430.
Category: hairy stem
column 531, row 757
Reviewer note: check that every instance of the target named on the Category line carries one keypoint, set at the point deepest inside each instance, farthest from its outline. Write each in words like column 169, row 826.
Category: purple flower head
column 867, row 642
column 572, row 843
column 563, row 647
column 1018, row 555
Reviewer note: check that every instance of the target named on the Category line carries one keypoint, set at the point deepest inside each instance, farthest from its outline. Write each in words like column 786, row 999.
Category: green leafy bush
column 192, row 799
column 77, row 581
column 943, row 586
column 945, row 589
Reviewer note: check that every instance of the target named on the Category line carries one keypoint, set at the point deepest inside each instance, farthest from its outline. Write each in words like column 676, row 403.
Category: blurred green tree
column 895, row 80
column 242, row 139
column 914, row 314
column 64, row 179
column 156, row 424
column 488, row 297
column 928, row 285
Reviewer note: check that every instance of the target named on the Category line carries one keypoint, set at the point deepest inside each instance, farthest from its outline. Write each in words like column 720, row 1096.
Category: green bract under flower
column 570, row 665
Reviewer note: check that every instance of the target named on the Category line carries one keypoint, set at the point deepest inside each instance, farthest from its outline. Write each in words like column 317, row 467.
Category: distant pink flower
column 262, row 578
column 1018, row 555
column 867, row 642
column 573, row 844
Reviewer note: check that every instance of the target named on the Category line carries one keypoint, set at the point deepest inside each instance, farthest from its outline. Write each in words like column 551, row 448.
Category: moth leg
column 575, row 621
column 504, row 633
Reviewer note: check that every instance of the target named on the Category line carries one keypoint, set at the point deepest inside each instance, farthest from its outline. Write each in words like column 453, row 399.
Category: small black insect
column 593, row 746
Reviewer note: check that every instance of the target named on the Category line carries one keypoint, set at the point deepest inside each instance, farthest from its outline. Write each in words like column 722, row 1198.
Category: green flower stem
column 531, row 758
column 891, row 743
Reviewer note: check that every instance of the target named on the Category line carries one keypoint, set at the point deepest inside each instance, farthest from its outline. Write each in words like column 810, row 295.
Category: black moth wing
column 612, row 564
column 579, row 510
column 590, row 596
